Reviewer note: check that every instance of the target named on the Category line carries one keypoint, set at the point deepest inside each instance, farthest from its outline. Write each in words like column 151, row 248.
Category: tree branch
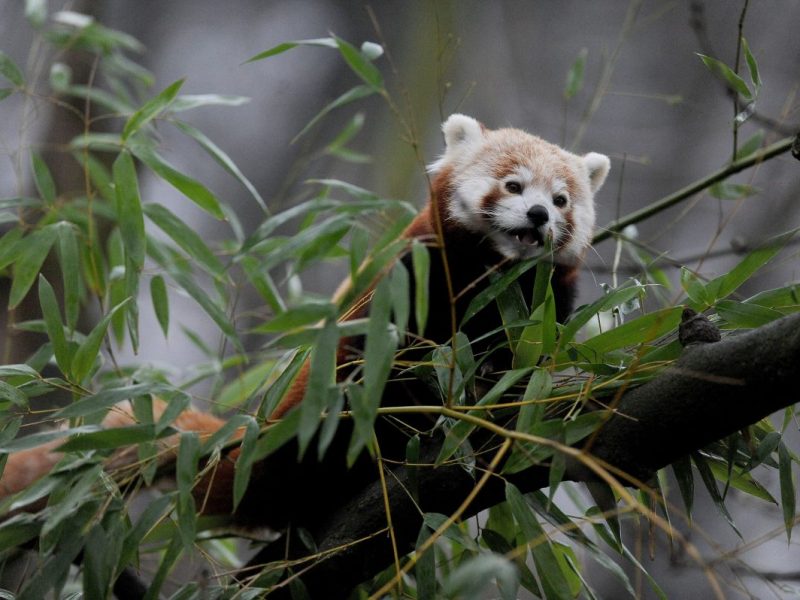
column 711, row 391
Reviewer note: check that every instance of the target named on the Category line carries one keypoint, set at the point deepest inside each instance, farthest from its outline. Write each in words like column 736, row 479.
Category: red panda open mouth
column 527, row 236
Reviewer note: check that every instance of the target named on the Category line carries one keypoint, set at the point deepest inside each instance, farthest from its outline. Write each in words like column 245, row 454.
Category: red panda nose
column 538, row 215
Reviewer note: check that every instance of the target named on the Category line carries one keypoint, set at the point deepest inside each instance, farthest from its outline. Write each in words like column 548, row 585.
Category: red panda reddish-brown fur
column 495, row 196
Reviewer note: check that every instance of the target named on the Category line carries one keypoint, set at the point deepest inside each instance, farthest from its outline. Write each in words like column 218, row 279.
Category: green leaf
column 540, row 385
column 244, row 462
column 190, row 286
column 709, row 481
column 461, row 430
column 399, row 282
column 107, row 398
column 481, row 300
column 724, row 285
column 472, row 579
column 421, row 263
column 278, row 435
column 86, row 354
column 129, row 208
column 151, row 109
column 5, row 93
column 726, row 74
column 55, row 328
column 624, row 293
column 731, row 191
column 185, row 474
column 43, row 179
column 69, row 257
column 281, row 48
column 221, row 157
column 575, row 75
column 18, row 530
column 10, row 70
column 682, row 468
column 360, row 64
column 356, row 93
column 186, row 237
column 31, row 253
column 638, row 331
column 750, row 146
column 743, row 315
column 752, row 65
column 321, row 382
column 303, row 315
column 695, row 288
column 379, row 349
column 158, row 294
column 788, row 494
column 263, row 283
column 11, row 394
column 548, row 567
column 425, row 569
column 191, row 188
column 110, row 439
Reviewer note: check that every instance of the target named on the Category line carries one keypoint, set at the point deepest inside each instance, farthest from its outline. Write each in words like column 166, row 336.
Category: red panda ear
column 461, row 131
column 598, row 166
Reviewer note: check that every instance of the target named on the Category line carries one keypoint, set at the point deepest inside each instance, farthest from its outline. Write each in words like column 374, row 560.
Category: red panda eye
column 514, row 187
column 560, row 200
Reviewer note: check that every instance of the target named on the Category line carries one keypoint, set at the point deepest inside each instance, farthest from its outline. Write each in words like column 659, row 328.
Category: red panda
column 496, row 196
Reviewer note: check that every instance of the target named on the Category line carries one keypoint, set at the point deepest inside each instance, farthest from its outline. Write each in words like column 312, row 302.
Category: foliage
column 103, row 244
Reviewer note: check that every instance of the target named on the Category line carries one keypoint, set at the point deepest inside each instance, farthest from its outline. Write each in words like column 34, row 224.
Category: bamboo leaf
column 158, row 295
column 788, row 494
column 151, row 109
column 129, row 208
column 575, row 75
column 461, row 430
column 191, row 188
column 744, row 315
column 726, row 74
column 12, row 394
column 421, row 263
column 186, row 237
column 548, row 567
column 379, row 349
column 471, row 579
column 724, row 285
column 244, row 462
column 31, row 252
column 752, row 65
column 43, row 179
column 281, row 48
column 86, row 354
column 360, row 64
column 185, row 473
column 10, row 70
column 709, row 481
column 321, row 382
column 221, row 157
column 69, row 257
column 356, row 93
column 55, row 328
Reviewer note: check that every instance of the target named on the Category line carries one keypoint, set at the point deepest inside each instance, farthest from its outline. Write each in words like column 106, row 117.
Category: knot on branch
column 695, row 328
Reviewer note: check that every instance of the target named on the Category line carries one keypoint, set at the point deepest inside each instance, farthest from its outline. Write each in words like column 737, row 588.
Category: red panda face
column 519, row 190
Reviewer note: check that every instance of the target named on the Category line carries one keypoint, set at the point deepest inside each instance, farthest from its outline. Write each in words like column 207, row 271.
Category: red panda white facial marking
column 519, row 190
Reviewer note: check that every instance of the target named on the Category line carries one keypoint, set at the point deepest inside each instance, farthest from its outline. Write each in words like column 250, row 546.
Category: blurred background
column 647, row 101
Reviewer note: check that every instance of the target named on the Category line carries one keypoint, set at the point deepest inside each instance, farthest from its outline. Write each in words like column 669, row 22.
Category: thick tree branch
column 711, row 391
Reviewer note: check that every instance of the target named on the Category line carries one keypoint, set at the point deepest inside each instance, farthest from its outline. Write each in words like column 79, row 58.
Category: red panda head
column 517, row 189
